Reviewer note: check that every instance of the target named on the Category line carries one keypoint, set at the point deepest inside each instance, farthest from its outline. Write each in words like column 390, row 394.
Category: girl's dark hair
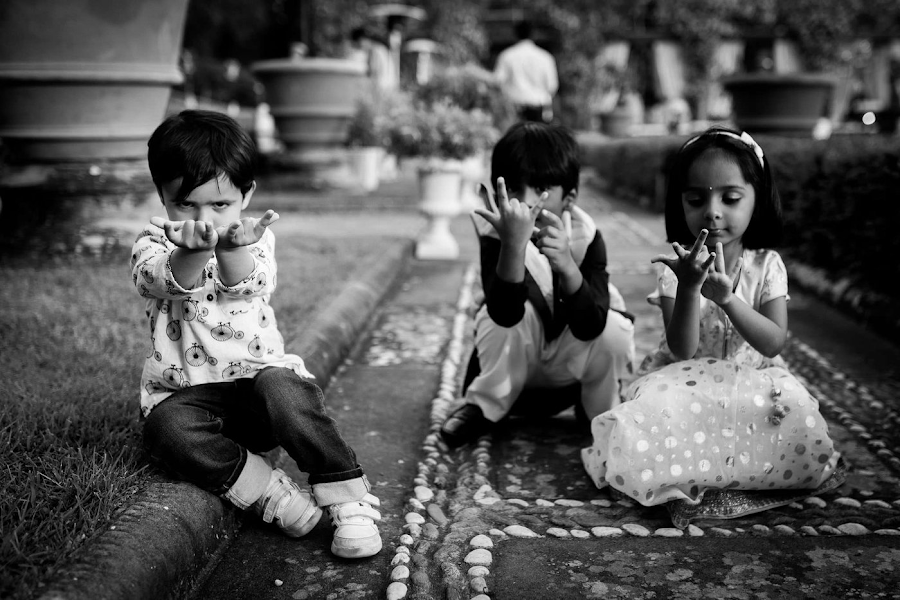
column 198, row 146
column 533, row 154
column 765, row 228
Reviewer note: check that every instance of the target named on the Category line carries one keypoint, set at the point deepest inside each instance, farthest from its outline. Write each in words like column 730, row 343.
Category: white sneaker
column 292, row 509
column 355, row 534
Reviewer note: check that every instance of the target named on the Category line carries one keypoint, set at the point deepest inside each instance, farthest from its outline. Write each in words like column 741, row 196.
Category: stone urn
column 780, row 103
column 440, row 184
column 86, row 80
column 312, row 101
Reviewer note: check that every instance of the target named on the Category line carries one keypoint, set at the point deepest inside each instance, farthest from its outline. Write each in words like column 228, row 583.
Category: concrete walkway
column 514, row 516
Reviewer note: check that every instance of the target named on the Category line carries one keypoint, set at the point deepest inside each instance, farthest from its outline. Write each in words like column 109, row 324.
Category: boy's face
column 217, row 201
column 556, row 202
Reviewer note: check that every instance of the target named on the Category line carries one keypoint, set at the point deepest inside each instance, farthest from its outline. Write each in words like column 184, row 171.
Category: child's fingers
column 502, row 196
column 158, row 221
column 553, row 219
column 487, row 198
column 539, row 206
column 709, row 261
column 680, row 252
column 720, row 258
column 700, row 242
column 490, row 217
column 270, row 217
column 567, row 223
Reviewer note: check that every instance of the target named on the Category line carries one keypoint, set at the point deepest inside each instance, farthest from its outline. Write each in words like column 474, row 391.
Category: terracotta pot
column 312, row 101
column 82, row 80
column 787, row 104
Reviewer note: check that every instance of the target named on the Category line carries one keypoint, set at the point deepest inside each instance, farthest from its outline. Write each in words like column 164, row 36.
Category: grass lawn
column 74, row 338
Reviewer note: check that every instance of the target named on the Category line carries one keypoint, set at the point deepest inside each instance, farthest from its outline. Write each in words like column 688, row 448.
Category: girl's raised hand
column 191, row 235
column 246, row 231
column 719, row 285
column 690, row 266
column 513, row 220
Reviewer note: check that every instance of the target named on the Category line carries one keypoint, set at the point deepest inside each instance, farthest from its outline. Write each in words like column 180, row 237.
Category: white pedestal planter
column 439, row 189
column 474, row 172
column 365, row 164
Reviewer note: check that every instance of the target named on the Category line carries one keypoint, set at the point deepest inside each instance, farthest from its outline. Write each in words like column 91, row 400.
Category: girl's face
column 717, row 198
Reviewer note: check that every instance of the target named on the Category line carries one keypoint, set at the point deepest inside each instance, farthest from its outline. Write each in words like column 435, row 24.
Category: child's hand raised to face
column 191, row 235
column 553, row 241
column 692, row 266
column 513, row 220
column 246, row 231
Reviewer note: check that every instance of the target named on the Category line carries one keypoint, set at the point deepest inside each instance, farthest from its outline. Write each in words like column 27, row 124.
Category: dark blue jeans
column 202, row 433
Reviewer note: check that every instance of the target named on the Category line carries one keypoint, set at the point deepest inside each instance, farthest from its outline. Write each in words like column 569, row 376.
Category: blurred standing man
column 528, row 74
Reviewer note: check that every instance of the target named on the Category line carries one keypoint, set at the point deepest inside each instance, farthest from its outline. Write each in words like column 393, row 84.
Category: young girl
column 714, row 409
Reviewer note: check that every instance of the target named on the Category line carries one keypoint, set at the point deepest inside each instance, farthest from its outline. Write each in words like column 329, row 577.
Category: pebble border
column 426, row 517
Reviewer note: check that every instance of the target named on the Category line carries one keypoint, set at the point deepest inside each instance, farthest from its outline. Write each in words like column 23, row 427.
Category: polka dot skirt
column 707, row 423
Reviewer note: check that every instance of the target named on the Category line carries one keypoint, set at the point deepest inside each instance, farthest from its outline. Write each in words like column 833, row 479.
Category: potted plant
column 366, row 142
column 470, row 87
column 822, row 34
column 438, row 137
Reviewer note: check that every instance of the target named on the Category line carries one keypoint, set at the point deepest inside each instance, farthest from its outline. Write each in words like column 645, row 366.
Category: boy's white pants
column 517, row 357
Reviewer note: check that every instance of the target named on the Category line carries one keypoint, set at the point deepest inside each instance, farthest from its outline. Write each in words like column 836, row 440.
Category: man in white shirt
column 528, row 74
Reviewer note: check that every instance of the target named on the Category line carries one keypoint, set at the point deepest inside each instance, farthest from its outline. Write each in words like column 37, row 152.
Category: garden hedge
column 841, row 200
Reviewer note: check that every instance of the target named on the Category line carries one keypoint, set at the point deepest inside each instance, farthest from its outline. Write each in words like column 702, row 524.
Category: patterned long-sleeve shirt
column 210, row 332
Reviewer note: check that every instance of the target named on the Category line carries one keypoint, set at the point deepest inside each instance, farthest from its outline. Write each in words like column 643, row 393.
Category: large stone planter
column 85, row 80
column 787, row 104
column 312, row 101
column 440, row 184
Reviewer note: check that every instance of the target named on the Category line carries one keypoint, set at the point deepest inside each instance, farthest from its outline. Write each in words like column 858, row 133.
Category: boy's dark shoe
column 466, row 424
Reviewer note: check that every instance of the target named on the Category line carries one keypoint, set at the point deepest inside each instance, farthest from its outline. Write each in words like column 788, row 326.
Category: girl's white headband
column 744, row 137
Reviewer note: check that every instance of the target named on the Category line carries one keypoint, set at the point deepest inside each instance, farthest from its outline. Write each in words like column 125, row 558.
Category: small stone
column 567, row 502
column 829, row 530
column 808, row 530
column 519, row 531
column 887, row 532
column 437, row 515
column 601, row 503
column 496, row 533
column 721, row 531
column 430, row 531
column 414, row 529
column 396, row 591
column 636, row 530
column 481, row 597
column 606, row 531
column 694, row 531
column 487, row 501
column 399, row 559
column 423, row 494
column 518, row 502
column 479, row 556
column 478, row 571
column 853, row 529
column 414, row 518
column 850, row 502
column 400, row 573
column 482, row 491
column 481, row 541
column 478, row 585
column 278, row 583
column 403, row 549
column 876, row 504
column 784, row 530
column 815, row 501
column 580, row 534
column 760, row 529
column 406, row 539
column 542, row 502
column 415, row 504
column 670, row 532
column 558, row 532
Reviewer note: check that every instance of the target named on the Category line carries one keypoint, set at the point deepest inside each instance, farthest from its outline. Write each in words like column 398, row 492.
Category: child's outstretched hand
column 692, row 266
column 191, row 235
column 247, row 231
column 553, row 242
column 513, row 220
column 719, row 285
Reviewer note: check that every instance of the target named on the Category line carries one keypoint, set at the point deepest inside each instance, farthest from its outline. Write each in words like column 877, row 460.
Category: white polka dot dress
column 729, row 418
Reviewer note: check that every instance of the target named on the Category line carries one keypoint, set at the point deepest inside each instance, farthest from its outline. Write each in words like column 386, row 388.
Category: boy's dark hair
column 198, row 146
column 765, row 228
column 524, row 29
column 534, row 154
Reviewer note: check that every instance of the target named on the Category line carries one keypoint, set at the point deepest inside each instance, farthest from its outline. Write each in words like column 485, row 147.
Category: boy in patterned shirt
column 218, row 388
